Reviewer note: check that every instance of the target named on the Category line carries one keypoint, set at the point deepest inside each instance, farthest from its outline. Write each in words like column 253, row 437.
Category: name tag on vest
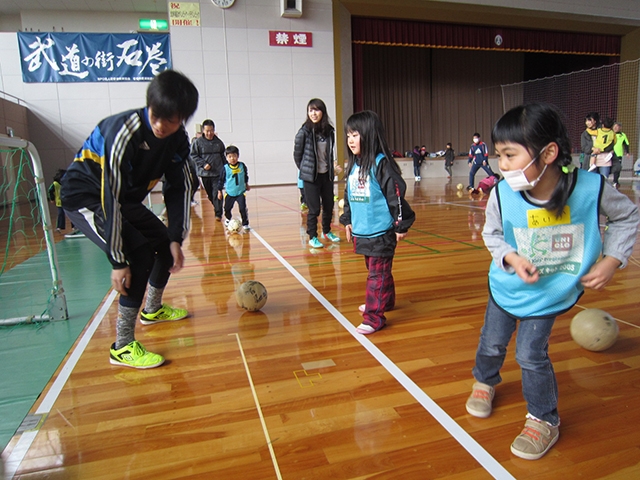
column 541, row 217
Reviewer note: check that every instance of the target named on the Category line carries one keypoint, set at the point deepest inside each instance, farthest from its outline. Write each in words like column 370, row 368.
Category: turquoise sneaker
column 315, row 243
column 331, row 236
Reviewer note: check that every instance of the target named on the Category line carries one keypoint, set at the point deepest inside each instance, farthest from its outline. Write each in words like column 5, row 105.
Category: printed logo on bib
column 554, row 249
column 541, row 217
column 358, row 191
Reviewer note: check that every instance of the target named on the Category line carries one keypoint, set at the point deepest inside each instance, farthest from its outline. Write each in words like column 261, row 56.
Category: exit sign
column 150, row 24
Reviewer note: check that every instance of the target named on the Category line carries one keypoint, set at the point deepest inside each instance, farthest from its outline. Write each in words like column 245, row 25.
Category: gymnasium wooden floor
column 293, row 392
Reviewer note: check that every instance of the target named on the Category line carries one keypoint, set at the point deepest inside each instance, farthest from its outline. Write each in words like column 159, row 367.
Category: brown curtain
column 433, row 96
column 443, row 35
column 396, row 85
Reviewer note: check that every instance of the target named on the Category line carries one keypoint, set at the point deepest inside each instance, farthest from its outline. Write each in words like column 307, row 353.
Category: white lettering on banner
column 39, row 50
column 56, row 56
column 74, row 59
column 154, row 53
column 133, row 58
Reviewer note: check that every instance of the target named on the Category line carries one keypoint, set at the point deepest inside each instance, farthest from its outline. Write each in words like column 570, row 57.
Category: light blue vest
column 563, row 250
column 370, row 215
column 234, row 179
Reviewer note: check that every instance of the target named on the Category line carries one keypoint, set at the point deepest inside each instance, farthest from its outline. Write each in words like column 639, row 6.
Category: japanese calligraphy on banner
column 184, row 14
column 278, row 38
column 92, row 57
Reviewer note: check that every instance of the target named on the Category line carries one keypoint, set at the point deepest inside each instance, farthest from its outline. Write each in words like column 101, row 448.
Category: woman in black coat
column 314, row 156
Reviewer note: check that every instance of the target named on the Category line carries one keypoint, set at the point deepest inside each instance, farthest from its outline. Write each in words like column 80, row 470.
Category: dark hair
column 607, row 122
column 59, row 174
column 324, row 125
column 593, row 116
column 231, row 149
column 372, row 142
column 534, row 126
column 476, row 135
column 208, row 123
column 449, row 145
column 171, row 93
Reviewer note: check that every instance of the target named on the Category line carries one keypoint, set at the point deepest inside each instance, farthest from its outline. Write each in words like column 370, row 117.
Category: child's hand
column 348, row 230
column 248, row 188
column 219, row 194
column 400, row 236
column 601, row 273
column 526, row 270
column 207, row 166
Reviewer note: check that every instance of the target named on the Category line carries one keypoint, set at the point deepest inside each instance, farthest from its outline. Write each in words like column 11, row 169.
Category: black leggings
column 145, row 244
column 319, row 193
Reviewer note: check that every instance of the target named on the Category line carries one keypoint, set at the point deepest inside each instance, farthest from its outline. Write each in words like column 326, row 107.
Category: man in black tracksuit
column 207, row 152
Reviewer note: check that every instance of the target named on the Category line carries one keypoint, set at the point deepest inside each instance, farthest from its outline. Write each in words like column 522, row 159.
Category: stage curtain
column 406, row 33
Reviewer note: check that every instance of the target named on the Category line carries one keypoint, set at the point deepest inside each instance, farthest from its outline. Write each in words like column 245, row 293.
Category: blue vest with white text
column 562, row 249
column 370, row 215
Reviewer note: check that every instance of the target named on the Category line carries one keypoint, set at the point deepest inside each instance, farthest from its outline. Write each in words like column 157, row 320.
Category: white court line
column 616, row 319
column 490, row 464
column 27, row 438
column 257, row 402
column 464, row 205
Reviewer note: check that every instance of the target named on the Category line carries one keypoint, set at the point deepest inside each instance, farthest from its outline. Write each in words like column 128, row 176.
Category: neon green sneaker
column 164, row 314
column 134, row 355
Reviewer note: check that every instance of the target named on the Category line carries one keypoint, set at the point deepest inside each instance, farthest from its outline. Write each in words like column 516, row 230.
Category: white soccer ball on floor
column 234, row 226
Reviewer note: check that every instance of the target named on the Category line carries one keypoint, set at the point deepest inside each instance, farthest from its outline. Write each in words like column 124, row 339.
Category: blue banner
column 93, row 57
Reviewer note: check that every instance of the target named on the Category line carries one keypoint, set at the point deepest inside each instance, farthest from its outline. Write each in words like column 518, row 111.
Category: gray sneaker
column 535, row 440
column 479, row 402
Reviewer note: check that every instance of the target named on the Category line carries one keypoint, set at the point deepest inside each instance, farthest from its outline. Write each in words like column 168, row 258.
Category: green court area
column 30, row 354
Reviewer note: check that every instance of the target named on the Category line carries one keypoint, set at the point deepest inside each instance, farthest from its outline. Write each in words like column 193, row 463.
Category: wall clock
column 223, row 3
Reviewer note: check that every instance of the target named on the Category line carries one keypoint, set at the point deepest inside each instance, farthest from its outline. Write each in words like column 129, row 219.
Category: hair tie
column 567, row 169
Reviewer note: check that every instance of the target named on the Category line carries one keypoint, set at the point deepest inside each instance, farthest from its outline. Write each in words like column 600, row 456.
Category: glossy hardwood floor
column 312, row 402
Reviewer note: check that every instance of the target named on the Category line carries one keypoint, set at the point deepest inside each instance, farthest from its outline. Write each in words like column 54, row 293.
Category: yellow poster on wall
column 184, row 14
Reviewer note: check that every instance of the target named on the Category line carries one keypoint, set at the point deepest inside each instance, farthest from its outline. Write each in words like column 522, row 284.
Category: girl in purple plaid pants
column 376, row 215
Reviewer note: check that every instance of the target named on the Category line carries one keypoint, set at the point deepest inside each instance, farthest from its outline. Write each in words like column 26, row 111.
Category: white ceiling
column 13, row 7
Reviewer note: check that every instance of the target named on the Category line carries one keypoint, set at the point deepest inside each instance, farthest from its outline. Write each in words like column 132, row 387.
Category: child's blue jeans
column 539, row 386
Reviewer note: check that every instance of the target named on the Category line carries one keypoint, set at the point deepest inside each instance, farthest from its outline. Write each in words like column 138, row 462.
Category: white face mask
column 476, row 140
column 518, row 181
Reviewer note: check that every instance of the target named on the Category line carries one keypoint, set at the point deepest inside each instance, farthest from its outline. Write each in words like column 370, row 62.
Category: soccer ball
column 460, row 186
column 594, row 329
column 234, row 226
column 251, row 295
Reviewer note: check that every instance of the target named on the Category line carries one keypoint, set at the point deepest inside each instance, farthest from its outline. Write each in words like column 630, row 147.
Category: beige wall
column 13, row 116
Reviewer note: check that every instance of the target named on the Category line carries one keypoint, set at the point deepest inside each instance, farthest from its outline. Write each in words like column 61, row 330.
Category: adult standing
column 207, row 151
column 314, row 156
column 592, row 123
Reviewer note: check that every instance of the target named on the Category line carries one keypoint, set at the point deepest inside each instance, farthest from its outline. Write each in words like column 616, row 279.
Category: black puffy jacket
column 305, row 155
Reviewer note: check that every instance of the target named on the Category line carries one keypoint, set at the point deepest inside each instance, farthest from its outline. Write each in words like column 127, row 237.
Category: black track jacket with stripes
column 120, row 163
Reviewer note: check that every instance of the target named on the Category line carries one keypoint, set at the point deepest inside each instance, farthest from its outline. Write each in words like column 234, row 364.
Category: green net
column 21, row 233
column 30, row 289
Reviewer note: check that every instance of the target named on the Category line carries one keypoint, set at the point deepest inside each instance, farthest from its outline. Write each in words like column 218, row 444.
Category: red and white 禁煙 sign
column 279, row 38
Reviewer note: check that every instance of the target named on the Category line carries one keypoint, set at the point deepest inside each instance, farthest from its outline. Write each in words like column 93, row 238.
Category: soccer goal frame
column 57, row 303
